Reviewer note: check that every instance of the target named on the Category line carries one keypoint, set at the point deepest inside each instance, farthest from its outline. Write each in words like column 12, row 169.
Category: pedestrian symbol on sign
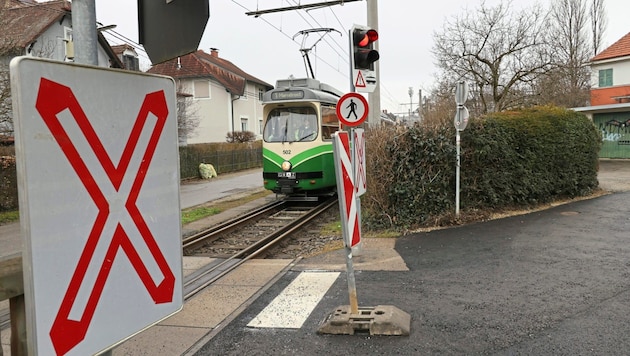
column 352, row 109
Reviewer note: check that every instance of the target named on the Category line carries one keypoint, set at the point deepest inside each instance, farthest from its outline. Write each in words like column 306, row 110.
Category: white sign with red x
column 350, row 219
column 98, row 179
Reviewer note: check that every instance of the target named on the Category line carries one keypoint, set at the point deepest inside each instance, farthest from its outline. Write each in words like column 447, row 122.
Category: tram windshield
column 291, row 124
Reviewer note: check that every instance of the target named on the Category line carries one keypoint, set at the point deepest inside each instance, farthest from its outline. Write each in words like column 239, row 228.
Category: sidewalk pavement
column 228, row 185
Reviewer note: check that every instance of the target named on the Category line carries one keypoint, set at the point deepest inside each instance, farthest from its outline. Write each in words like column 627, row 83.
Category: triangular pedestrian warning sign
column 360, row 82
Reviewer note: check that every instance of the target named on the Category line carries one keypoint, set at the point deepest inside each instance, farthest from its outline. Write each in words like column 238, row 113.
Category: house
column 29, row 28
column 128, row 56
column 224, row 98
column 610, row 98
column 44, row 30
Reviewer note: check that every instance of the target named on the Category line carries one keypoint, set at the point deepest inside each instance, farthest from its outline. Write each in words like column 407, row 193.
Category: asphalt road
column 552, row 282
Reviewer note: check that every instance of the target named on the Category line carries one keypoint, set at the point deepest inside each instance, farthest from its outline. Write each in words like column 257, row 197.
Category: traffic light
column 363, row 52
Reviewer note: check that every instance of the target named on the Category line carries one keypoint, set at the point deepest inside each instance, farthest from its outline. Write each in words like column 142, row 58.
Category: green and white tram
column 299, row 120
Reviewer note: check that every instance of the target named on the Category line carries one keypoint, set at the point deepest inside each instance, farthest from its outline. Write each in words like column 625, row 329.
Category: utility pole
column 410, row 92
column 374, row 98
column 84, row 33
column 419, row 104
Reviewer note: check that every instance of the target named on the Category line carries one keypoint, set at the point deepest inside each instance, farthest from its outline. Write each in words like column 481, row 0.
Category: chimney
column 214, row 52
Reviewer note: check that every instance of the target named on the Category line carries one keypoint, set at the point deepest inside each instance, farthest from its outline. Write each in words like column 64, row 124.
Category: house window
column 130, row 62
column 243, row 125
column 260, row 126
column 201, row 89
column 261, row 92
column 605, row 78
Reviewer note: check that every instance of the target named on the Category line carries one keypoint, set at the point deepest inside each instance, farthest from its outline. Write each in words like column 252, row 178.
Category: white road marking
column 296, row 302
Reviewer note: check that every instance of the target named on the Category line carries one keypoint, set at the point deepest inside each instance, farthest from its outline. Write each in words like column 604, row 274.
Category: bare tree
column 440, row 105
column 240, row 136
column 501, row 53
column 597, row 12
column 567, row 83
column 187, row 117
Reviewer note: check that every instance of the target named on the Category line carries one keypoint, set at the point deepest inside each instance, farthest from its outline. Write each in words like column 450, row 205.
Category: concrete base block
column 378, row 320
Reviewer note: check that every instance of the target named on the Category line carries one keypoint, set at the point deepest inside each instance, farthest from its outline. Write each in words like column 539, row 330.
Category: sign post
column 352, row 110
column 350, row 218
column 461, row 120
column 99, row 203
column 350, row 174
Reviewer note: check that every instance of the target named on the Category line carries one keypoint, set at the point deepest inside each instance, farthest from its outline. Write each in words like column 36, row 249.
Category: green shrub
column 528, row 157
column 508, row 159
column 8, row 184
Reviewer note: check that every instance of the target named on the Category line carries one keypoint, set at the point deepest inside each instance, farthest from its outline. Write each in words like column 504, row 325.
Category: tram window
column 290, row 124
column 330, row 123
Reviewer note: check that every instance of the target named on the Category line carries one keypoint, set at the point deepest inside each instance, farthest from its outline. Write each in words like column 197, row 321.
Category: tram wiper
column 305, row 137
column 285, row 137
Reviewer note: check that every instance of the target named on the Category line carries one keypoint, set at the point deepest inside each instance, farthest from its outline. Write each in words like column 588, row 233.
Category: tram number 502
column 286, row 152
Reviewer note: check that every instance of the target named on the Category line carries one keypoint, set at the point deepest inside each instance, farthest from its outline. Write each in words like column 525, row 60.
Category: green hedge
column 8, row 183
column 424, row 172
column 528, row 157
column 508, row 159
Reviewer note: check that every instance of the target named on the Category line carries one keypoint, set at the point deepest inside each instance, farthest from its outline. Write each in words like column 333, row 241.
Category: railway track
column 247, row 237
column 237, row 240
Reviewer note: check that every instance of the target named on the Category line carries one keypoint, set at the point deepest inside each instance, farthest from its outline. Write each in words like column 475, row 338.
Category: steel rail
column 234, row 261
column 191, row 241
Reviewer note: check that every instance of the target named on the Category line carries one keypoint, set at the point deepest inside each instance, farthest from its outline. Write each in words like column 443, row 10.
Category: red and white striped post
column 350, row 221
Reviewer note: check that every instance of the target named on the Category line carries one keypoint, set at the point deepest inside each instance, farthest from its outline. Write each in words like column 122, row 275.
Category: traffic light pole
column 374, row 98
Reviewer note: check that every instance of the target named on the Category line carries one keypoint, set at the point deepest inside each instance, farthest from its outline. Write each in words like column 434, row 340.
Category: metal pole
column 410, row 92
column 457, row 144
column 419, row 104
column 352, row 286
column 84, row 32
column 374, row 98
column 358, row 248
column 352, row 88
column 85, row 38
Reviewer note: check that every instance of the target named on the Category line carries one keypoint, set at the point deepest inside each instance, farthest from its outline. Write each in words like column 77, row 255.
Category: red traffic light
column 363, row 53
column 363, row 38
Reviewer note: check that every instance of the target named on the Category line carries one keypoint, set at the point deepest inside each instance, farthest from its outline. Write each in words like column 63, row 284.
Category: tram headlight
column 286, row 166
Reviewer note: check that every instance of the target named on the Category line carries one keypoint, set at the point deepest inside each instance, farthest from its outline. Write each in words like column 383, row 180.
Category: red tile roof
column 120, row 49
column 201, row 64
column 620, row 48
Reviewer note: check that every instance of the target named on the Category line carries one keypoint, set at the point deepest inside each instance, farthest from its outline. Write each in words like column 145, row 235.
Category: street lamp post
column 410, row 101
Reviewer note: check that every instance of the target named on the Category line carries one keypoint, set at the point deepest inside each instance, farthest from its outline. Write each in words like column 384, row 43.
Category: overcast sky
column 268, row 48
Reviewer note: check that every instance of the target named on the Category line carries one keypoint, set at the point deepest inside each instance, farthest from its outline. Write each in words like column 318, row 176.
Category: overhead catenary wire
column 342, row 56
column 291, row 38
